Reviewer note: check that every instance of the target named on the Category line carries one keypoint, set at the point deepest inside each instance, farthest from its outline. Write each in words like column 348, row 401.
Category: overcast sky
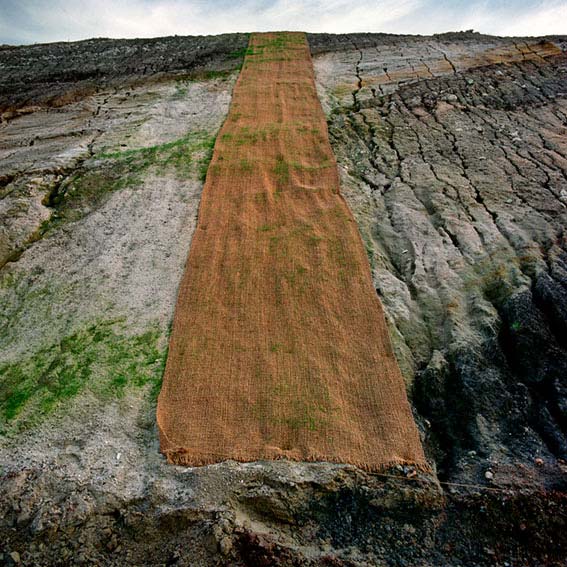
column 32, row 21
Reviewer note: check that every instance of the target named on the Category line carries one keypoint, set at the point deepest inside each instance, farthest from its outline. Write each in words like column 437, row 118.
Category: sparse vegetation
column 100, row 357
column 239, row 53
column 281, row 170
column 113, row 171
column 181, row 89
column 178, row 154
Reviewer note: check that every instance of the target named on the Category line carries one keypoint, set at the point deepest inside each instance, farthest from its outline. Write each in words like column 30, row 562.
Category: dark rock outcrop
column 59, row 73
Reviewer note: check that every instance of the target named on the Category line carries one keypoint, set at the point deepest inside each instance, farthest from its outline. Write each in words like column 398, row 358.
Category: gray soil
column 453, row 157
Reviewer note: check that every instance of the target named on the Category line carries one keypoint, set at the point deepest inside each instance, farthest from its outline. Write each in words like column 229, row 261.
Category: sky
column 39, row 21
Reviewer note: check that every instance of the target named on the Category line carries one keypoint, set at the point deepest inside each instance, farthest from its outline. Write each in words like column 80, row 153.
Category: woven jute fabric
column 279, row 347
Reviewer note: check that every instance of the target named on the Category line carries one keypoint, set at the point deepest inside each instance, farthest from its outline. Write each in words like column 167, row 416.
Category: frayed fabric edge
column 183, row 457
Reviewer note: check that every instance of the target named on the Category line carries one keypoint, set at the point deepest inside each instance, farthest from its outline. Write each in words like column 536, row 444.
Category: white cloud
column 42, row 20
column 550, row 21
column 546, row 17
column 64, row 20
column 337, row 16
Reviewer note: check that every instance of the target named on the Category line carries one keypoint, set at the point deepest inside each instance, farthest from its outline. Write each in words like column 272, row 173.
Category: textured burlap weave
column 279, row 346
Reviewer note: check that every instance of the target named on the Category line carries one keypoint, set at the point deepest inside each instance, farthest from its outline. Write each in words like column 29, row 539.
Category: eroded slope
column 456, row 178
column 454, row 154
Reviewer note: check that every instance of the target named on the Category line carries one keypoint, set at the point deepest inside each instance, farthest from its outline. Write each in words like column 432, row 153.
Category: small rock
column 539, row 462
column 225, row 545
column 15, row 556
column 488, row 475
column 451, row 98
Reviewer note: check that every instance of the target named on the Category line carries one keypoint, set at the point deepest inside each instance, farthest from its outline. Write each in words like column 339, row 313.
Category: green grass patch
column 100, row 357
column 313, row 240
column 180, row 92
column 177, row 153
column 245, row 166
column 281, row 41
column 214, row 169
column 240, row 53
column 281, row 170
column 89, row 189
column 369, row 247
column 246, row 137
column 261, row 198
column 275, row 245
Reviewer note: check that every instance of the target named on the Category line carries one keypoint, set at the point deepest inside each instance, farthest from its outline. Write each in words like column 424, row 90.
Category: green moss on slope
column 99, row 357
column 89, row 188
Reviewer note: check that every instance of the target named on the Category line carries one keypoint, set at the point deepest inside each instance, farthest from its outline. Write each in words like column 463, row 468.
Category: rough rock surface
column 453, row 158
column 55, row 74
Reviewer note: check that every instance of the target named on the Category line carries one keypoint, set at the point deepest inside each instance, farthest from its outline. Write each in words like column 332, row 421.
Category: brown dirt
column 279, row 346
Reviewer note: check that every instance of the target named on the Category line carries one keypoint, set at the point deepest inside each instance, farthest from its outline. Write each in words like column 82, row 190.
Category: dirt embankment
column 56, row 74
column 456, row 179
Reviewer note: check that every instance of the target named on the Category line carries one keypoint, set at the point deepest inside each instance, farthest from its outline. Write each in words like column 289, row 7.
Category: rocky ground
column 453, row 157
